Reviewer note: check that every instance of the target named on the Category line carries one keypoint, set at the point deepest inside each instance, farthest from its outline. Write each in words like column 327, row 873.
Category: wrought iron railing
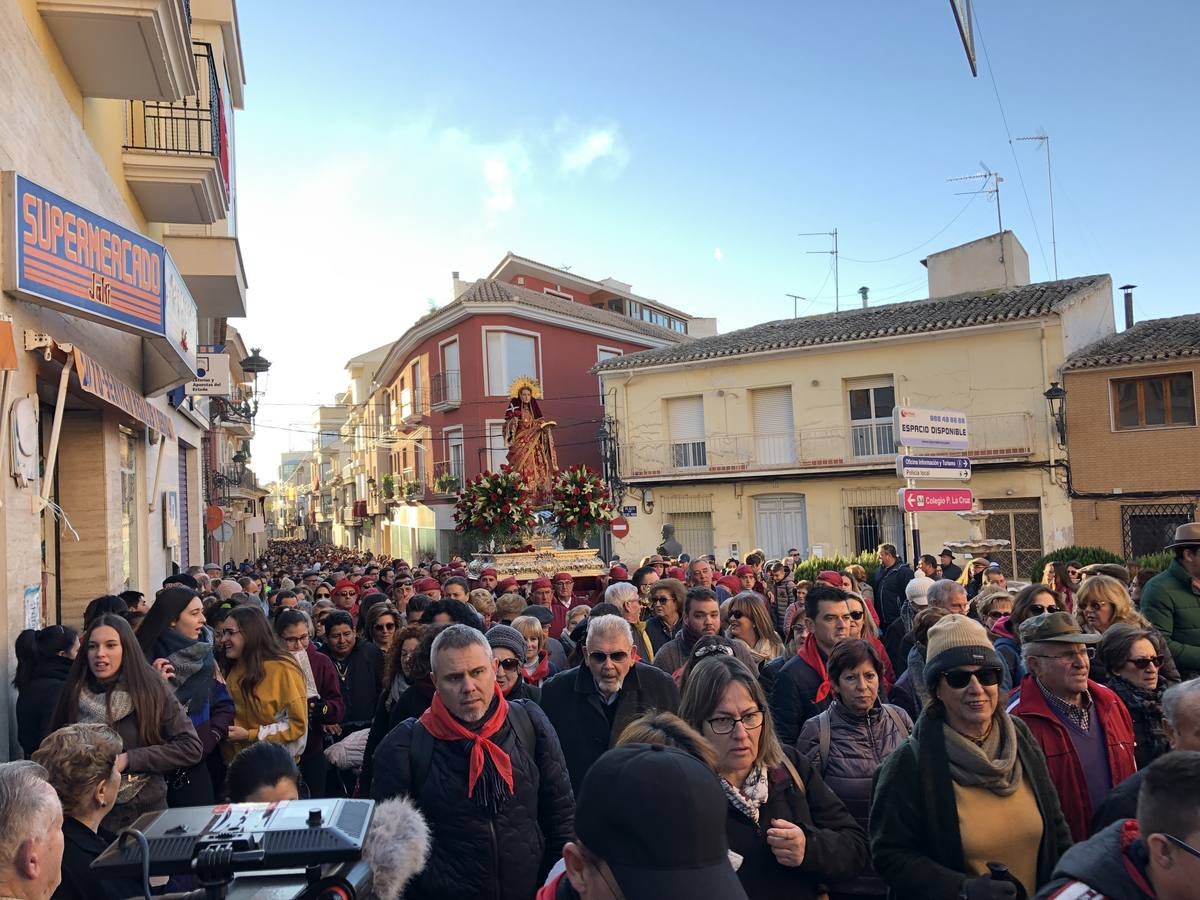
column 445, row 388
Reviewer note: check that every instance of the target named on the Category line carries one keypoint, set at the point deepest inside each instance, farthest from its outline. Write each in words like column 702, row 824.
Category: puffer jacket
column 501, row 857
column 37, row 701
column 1172, row 604
column 858, row 744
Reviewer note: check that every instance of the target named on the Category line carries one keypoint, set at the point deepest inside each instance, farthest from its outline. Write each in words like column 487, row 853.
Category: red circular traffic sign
column 619, row 527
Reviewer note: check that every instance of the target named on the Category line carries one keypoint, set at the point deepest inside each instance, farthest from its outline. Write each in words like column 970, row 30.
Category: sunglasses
column 856, row 615
column 960, row 678
column 617, row 656
column 738, row 614
column 384, row 626
column 1037, row 609
column 324, row 596
column 1143, row 662
column 344, row 594
column 662, row 598
column 509, row 665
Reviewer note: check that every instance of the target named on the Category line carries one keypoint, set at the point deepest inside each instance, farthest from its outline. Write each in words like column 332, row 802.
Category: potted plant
column 389, row 486
column 446, row 483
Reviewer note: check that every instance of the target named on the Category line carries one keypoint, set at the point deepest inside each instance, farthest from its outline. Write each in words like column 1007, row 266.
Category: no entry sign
column 921, row 500
column 619, row 527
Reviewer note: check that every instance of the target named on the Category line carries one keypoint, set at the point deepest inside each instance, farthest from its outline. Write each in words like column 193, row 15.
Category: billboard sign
column 944, row 429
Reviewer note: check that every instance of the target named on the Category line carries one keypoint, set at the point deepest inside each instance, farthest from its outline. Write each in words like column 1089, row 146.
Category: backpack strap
column 894, row 715
column 823, row 738
column 791, row 769
column 420, row 757
column 522, row 726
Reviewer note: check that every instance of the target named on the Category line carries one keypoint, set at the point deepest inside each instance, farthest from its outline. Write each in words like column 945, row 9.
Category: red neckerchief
column 1130, row 834
column 810, row 654
column 543, row 669
column 443, row 726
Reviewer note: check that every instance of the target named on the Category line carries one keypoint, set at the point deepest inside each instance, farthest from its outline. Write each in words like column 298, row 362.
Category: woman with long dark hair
column 266, row 684
column 110, row 683
column 43, row 660
column 176, row 640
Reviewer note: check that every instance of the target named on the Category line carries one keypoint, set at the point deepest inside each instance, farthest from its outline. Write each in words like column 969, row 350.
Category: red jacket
column 1065, row 771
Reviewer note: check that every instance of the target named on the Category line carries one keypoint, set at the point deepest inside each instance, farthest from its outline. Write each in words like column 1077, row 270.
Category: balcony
column 1004, row 436
column 212, row 267
column 234, row 416
column 124, row 49
column 409, row 486
column 413, row 407
column 445, row 391
column 350, row 514
column 446, row 477
column 176, row 153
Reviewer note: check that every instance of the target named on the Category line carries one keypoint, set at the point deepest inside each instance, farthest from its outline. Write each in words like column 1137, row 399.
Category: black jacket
column 37, row 701
column 361, row 676
column 1112, row 864
column 504, row 857
column 656, row 630
column 793, row 698
column 916, row 843
column 81, row 846
column 573, row 705
column 836, row 847
column 889, row 591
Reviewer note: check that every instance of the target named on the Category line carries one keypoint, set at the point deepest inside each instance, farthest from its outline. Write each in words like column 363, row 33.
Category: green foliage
column 808, row 569
column 446, row 483
column 389, row 486
column 1159, row 562
column 1083, row 555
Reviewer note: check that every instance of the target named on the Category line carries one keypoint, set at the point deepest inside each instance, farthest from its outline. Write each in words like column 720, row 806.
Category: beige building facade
column 122, row 262
column 780, row 436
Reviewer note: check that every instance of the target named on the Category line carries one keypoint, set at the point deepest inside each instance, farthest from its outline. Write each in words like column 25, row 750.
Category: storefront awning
column 102, row 384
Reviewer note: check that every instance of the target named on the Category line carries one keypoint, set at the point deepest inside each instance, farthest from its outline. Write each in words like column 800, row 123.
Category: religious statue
column 529, row 439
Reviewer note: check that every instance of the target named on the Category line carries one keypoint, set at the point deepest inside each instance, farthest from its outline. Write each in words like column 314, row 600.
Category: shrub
column 1083, row 555
column 1159, row 562
column 807, row 570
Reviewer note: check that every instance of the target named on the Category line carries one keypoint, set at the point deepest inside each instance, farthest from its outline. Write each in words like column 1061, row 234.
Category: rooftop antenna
column 1043, row 139
column 796, row 298
column 833, row 234
column 991, row 185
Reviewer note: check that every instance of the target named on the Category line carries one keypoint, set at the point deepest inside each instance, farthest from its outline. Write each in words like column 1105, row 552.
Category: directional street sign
column 951, row 468
column 921, row 500
column 945, row 429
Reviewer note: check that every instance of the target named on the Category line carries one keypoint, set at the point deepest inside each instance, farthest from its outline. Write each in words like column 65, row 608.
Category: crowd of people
column 661, row 730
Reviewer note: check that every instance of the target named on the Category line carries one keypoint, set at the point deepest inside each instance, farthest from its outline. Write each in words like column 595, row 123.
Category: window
column 774, row 432
column 497, row 453
column 875, row 525
column 1147, row 529
column 1017, row 520
column 447, row 385
column 1159, row 401
column 685, row 418
column 509, row 355
column 871, row 406
column 129, row 508
column 694, row 530
column 603, row 353
column 454, row 453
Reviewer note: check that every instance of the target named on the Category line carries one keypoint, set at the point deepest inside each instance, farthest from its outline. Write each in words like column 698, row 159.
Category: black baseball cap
column 672, row 842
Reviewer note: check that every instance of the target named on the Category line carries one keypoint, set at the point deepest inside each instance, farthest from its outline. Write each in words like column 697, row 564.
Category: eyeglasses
column 617, row 656
column 509, row 665
column 960, row 678
column 1182, row 845
column 384, row 626
column 296, row 641
column 228, row 632
column 1143, row 662
column 725, row 724
column 1037, row 609
column 1080, row 651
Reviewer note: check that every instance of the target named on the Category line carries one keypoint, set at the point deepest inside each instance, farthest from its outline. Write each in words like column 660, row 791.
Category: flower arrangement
column 580, row 501
column 494, row 505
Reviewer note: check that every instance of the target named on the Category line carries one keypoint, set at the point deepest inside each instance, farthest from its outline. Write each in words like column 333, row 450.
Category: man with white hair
column 31, row 836
column 591, row 704
column 488, row 775
column 628, row 599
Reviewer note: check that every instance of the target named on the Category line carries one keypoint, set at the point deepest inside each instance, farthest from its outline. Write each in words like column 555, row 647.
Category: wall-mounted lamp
column 1056, row 399
column 648, row 501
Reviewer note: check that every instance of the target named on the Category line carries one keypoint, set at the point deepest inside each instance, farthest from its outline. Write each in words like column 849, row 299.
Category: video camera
column 306, row 849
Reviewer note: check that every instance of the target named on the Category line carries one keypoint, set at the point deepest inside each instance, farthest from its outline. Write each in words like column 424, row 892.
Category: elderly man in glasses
column 590, row 705
column 1083, row 727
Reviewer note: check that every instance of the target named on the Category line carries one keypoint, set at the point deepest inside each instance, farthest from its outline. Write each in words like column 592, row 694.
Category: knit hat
column 749, row 570
column 915, row 591
column 618, row 573
column 677, row 572
column 423, row 585
column 509, row 638
column 831, row 578
column 957, row 641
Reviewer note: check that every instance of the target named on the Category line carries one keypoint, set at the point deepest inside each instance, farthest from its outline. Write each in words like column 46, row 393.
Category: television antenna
column 1043, row 139
column 989, row 184
column 796, row 298
column 834, row 253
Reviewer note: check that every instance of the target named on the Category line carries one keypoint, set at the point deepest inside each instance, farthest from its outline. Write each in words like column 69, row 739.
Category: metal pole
column 837, row 306
column 40, row 502
column 1050, row 182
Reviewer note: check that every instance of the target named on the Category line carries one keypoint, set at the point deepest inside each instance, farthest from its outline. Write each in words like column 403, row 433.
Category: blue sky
column 681, row 147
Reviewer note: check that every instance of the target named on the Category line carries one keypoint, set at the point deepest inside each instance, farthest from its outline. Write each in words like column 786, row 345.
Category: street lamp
column 1056, row 399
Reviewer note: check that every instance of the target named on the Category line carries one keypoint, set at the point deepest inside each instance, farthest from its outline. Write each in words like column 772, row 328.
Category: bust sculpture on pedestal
column 669, row 547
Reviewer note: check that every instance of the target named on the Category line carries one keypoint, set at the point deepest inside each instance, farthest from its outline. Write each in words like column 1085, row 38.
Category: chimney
column 1128, row 289
column 863, row 291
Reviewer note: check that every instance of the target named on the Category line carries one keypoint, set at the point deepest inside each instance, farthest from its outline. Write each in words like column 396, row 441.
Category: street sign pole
column 916, row 533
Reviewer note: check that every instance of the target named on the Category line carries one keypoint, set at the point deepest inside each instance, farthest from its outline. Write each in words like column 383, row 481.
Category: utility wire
column 923, row 243
column 1011, row 146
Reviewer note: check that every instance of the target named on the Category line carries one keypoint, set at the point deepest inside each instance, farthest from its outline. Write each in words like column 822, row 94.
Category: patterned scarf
column 811, row 654
column 751, row 796
column 94, row 706
column 438, row 721
column 194, row 667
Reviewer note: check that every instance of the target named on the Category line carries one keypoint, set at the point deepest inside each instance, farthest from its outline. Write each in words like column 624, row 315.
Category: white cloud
column 499, row 179
column 718, row 254
column 595, row 145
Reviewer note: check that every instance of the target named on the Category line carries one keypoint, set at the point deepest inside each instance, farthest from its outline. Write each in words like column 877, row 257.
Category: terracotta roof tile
column 1151, row 341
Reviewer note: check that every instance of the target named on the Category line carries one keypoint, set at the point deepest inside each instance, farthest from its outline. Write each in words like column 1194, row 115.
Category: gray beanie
column 509, row 638
column 955, row 641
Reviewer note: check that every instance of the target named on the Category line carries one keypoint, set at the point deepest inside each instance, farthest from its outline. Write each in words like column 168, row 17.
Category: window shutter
column 774, row 437
column 685, row 418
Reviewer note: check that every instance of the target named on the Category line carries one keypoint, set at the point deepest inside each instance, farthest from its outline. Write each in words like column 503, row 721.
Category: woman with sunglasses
column 747, row 620
column 1032, row 600
column 1132, row 659
column 508, row 646
column 974, row 576
column 666, row 611
column 968, row 787
column 789, row 829
column 383, row 621
column 863, row 627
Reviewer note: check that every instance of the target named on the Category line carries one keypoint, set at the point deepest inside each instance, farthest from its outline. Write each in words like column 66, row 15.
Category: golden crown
column 525, row 381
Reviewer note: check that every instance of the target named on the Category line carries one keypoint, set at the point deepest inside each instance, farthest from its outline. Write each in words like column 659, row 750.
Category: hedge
column 807, row 570
column 1159, row 561
column 1083, row 555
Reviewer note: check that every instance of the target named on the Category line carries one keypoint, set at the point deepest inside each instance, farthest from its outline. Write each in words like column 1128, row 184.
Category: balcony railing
column 446, row 477
column 410, row 486
column 445, row 390
column 193, row 126
column 413, row 406
column 1000, row 436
